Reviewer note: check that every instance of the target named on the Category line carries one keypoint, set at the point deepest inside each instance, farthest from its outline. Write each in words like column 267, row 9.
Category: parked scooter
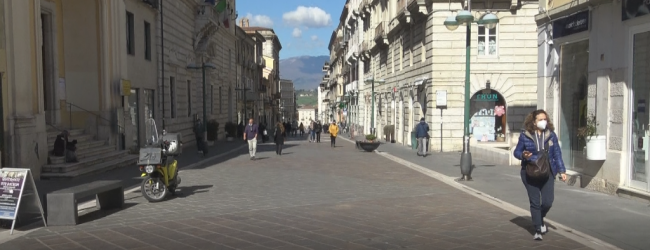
column 157, row 163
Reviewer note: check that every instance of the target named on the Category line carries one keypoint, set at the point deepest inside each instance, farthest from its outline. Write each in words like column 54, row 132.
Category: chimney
column 244, row 22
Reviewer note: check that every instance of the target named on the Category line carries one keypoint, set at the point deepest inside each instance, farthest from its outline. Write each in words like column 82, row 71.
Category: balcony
column 365, row 51
column 381, row 38
column 326, row 67
column 261, row 89
column 366, row 6
column 326, row 77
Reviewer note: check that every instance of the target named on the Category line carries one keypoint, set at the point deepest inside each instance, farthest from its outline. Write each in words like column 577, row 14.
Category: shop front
column 488, row 121
column 640, row 94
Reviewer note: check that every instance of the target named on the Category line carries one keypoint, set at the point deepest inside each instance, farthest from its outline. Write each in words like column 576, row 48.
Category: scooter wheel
column 153, row 189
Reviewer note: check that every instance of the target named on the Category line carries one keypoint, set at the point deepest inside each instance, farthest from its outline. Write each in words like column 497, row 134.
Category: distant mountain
column 306, row 72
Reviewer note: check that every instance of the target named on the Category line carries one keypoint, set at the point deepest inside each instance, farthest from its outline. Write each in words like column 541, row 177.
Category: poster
column 11, row 186
column 483, row 128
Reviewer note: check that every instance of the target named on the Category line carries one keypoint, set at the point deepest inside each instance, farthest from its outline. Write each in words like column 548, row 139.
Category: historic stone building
column 249, row 76
column 414, row 60
column 287, row 100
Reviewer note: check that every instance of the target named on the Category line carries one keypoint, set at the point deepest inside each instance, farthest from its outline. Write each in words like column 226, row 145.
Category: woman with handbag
column 541, row 160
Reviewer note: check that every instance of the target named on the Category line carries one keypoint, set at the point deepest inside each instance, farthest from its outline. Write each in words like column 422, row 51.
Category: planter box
column 597, row 148
column 367, row 146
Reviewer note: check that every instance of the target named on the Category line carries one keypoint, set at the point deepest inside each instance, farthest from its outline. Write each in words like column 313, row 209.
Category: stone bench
column 62, row 204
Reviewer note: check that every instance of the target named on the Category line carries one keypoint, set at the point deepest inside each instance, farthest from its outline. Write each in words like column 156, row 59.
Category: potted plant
column 231, row 130
column 596, row 145
column 369, row 144
column 213, row 130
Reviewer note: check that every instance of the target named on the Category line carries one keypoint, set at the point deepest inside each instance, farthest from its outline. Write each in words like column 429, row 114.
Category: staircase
column 93, row 157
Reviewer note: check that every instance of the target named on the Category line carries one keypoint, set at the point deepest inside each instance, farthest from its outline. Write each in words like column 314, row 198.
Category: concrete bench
column 62, row 204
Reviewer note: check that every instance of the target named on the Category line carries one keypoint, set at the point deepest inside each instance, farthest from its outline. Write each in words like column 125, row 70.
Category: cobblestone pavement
column 312, row 197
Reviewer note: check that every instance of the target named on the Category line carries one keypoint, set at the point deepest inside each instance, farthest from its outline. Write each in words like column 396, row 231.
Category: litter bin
column 414, row 141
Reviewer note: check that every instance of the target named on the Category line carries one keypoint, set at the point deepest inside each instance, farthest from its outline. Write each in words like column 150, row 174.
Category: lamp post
column 465, row 17
column 372, row 93
column 202, row 67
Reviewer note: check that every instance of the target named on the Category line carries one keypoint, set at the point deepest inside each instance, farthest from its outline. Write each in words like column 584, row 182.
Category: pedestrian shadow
column 287, row 153
column 260, row 158
column 271, row 147
column 526, row 222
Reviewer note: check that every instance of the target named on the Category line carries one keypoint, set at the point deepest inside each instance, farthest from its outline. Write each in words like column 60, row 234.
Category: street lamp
column 202, row 68
column 465, row 17
column 372, row 113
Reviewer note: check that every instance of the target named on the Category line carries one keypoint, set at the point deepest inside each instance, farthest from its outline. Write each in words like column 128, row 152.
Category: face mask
column 541, row 125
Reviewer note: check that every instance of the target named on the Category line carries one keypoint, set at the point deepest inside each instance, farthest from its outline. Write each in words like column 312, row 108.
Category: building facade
column 287, row 101
column 306, row 114
column 404, row 47
column 271, row 73
column 594, row 60
column 249, row 75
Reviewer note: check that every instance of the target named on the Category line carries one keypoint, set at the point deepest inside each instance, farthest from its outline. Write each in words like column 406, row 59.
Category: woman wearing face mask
column 538, row 135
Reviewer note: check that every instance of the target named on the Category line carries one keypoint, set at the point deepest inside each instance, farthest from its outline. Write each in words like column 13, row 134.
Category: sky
column 304, row 27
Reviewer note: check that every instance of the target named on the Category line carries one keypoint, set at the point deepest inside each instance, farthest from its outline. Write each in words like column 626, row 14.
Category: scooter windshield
column 151, row 132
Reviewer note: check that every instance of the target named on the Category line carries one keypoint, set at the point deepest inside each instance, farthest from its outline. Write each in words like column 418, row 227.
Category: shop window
column 641, row 117
column 489, row 119
column 574, row 59
column 487, row 41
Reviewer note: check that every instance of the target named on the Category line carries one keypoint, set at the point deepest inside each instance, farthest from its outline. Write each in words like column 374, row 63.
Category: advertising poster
column 11, row 186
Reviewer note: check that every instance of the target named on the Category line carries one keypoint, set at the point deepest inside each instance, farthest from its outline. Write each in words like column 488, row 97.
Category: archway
column 489, row 119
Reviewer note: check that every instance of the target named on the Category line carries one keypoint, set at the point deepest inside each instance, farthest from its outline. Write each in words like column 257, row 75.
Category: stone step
column 79, row 138
column 83, row 154
column 69, row 167
column 82, row 145
column 124, row 161
column 52, row 133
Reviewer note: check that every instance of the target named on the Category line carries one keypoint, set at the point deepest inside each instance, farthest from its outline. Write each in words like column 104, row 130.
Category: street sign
column 18, row 194
column 441, row 98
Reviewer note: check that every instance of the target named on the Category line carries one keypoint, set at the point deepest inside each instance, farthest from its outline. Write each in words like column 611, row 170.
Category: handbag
column 540, row 168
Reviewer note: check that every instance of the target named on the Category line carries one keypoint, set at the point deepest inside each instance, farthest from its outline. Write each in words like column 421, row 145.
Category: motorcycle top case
column 174, row 140
column 150, row 156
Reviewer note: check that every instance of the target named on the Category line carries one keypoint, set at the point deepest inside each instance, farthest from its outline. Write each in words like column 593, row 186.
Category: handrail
column 87, row 111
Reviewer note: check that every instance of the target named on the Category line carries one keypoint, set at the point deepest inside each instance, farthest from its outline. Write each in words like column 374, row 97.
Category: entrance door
column 134, row 108
column 640, row 166
column 49, row 81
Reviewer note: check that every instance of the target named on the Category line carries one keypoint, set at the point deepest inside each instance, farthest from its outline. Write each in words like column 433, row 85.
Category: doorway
column 49, row 79
column 134, row 111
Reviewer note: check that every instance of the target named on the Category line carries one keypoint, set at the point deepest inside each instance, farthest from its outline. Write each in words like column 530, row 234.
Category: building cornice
column 567, row 9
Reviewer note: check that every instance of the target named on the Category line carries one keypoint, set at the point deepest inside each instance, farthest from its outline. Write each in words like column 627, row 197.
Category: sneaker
column 538, row 236
column 544, row 230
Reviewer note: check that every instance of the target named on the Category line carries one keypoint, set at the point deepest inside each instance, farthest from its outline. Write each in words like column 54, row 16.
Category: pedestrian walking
column 250, row 135
column 198, row 135
column 334, row 131
column 302, row 129
column 312, row 131
column 278, row 138
column 422, row 134
column 319, row 129
column 538, row 139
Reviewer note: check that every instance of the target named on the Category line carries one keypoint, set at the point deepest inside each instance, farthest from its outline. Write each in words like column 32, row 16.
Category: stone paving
column 312, row 197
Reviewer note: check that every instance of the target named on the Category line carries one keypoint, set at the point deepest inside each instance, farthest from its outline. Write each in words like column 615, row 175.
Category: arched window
column 488, row 121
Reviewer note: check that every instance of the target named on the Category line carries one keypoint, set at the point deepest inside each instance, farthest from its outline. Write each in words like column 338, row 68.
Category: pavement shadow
column 524, row 222
column 96, row 213
column 271, row 147
column 184, row 192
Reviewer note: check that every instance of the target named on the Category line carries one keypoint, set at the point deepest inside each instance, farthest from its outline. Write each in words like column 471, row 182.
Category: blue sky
column 303, row 26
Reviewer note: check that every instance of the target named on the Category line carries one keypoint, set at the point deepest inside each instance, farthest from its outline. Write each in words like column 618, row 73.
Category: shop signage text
column 634, row 8
column 486, row 97
column 572, row 24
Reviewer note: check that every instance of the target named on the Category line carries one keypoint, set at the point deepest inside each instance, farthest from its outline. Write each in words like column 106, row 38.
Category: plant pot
column 368, row 146
column 596, row 148
column 230, row 138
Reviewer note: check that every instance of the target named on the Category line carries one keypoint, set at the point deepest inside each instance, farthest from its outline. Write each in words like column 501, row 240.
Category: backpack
column 540, row 168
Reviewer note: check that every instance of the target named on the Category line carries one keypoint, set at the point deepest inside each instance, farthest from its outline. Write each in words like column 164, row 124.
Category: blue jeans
column 312, row 135
column 540, row 196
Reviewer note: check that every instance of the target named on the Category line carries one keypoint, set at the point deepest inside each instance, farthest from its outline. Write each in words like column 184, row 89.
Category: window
column 147, row 41
column 220, row 100
column 172, row 95
column 189, row 98
column 487, row 41
column 130, row 39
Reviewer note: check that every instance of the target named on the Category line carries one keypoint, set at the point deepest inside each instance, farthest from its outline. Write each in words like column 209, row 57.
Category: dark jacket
column 526, row 142
column 422, row 130
column 61, row 143
column 278, row 136
column 318, row 127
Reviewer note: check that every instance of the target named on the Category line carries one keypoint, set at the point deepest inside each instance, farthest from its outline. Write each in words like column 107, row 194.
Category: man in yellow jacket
column 334, row 130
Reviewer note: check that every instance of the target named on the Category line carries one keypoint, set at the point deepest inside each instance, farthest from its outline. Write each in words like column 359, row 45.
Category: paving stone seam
column 563, row 230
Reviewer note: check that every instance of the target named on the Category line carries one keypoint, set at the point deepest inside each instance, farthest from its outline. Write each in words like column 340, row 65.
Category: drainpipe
column 162, row 62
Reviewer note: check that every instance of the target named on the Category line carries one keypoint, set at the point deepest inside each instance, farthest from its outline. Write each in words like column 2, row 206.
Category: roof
column 257, row 28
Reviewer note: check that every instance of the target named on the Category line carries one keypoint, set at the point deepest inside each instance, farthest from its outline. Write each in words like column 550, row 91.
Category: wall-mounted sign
column 491, row 97
column 126, row 87
column 441, row 98
column 634, row 8
column 572, row 24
